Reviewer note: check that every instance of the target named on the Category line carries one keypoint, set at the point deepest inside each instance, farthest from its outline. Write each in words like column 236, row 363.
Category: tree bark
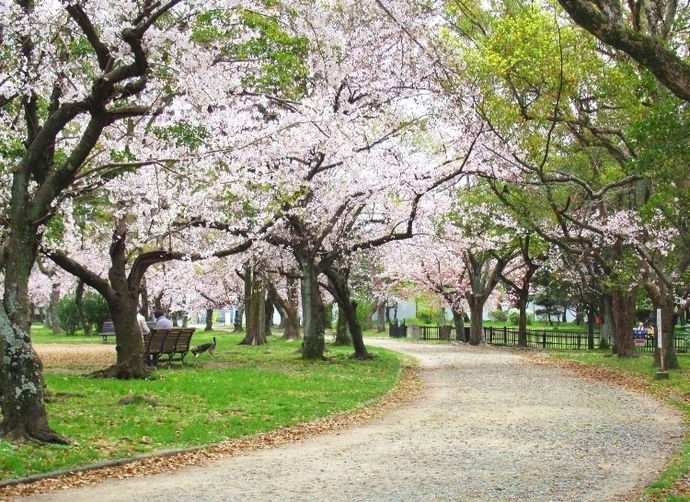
column 79, row 301
column 476, row 303
column 255, row 298
column 21, row 377
column 459, row 323
column 314, row 311
column 381, row 316
column 624, row 321
column 605, row 20
column 209, row 320
column 342, row 332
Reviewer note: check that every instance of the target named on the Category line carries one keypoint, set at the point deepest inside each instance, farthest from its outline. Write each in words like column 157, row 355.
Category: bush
column 429, row 316
column 95, row 309
column 498, row 315
column 514, row 317
column 68, row 315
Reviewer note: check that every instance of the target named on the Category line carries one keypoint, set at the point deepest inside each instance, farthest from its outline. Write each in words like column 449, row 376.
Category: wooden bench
column 153, row 345
column 107, row 330
column 170, row 343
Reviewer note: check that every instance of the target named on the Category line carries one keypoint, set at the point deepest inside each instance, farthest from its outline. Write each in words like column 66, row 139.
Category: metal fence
column 536, row 338
column 568, row 340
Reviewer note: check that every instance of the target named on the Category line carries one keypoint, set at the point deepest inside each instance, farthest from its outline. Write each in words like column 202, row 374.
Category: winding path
column 488, row 426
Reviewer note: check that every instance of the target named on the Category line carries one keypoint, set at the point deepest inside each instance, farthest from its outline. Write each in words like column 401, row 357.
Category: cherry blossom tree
column 57, row 102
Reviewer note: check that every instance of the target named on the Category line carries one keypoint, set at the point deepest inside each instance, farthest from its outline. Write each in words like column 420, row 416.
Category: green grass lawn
column 241, row 391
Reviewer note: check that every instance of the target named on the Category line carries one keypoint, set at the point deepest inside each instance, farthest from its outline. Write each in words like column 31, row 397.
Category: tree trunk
column 268, row 316
column 314, row 312
column 22, row 386
column 255, row 299
column 381, row 317
column 79, row 301
column 288, row 307
column 624, row 320
column 523, row 297
column 239, row 313
column 209, row 320
column 356, row 332
column 607, row 323
column 342, row 333
column 51, row 316
column 459, row 323
column 476, row 303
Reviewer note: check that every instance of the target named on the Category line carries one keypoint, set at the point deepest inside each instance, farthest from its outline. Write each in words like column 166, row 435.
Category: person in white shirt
column 143, row 327
column 162, row 321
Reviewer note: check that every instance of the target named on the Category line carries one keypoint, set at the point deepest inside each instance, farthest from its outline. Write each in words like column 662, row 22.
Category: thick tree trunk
column 347, row 306
column 314, row 312
column 342, row 333
column 22, row 386
column 288, row 307
column 476, row 303
column 624, row 321
column 459, row 323
column 130, row 345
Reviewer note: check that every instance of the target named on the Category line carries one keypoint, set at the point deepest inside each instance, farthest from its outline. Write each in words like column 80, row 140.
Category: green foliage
column 95, row 308
column 365, row 307
column 513, row 317
column 68, row 315
column 182, row 135
column 189, row 405
column 498, row 315
column 429, row 315
column 264, row 42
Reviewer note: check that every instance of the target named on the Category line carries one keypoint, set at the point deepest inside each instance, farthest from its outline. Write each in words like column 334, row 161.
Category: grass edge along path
column 406, row 388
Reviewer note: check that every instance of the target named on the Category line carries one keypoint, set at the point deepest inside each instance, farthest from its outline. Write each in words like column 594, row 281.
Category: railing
column 567, row 340
column 536, row 338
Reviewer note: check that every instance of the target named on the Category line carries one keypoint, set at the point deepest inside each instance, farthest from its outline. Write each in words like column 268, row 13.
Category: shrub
column 67, row 313
column 95, row 309
column 429, row 316
column 498, row 315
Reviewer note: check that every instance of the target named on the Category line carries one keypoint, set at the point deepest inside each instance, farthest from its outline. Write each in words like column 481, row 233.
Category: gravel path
column 488, row 427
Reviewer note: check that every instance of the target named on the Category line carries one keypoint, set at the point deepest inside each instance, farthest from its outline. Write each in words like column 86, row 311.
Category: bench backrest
column 184, row 341
column 108, row 327
column 171, row 340
column 155, row 340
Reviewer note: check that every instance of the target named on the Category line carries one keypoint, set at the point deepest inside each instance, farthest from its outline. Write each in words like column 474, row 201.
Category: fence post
column 543, row 339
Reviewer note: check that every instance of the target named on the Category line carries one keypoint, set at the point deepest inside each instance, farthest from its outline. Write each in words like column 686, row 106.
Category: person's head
column 142, row 311
column 641, row 325
column 158, row 313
